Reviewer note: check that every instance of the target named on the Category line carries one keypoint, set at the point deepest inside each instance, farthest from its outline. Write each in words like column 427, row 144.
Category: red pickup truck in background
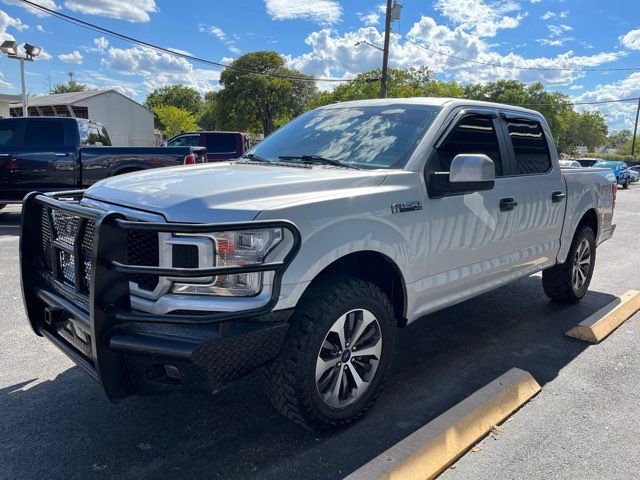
column 221, row 146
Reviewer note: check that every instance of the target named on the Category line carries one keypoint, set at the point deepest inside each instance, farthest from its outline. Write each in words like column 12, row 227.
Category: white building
column 5, row 101
column 128, row 122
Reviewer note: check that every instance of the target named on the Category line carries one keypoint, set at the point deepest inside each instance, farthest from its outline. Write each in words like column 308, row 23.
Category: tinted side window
column 185, row 141
column 8, row 133
column 106, row 141
column 90, row 136
column 43, row 134
column 221, row 143
column 530, row 147
column 472, row 134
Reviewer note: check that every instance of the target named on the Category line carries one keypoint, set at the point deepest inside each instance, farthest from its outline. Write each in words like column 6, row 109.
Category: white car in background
column 569, row 164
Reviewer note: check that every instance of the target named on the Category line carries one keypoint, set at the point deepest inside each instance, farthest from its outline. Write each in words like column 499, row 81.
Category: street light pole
column 25, row 110
column 385, row 52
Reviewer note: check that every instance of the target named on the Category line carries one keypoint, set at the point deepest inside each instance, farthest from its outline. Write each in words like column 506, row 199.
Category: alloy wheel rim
column 581, row 265
column 348, row 358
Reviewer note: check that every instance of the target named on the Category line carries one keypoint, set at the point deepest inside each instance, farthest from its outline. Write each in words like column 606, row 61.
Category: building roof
column 5, row 97
column 69, row 98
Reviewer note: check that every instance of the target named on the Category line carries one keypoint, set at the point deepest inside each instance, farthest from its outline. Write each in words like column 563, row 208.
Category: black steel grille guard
column 106, row 303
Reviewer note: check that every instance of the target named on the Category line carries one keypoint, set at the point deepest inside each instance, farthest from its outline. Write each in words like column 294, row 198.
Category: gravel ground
column 56, row 423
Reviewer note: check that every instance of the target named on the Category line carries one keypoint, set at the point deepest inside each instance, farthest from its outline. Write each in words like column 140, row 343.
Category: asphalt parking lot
column 56, row 423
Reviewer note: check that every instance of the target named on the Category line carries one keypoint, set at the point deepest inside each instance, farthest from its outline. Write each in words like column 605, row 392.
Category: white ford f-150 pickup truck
column 305, row 257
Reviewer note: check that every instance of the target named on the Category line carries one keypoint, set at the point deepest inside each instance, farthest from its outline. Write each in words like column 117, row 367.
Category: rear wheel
column 337, row 355
column 569, row 281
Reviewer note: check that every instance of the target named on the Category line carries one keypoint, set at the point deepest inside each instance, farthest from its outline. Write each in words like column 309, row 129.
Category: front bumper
column 87, row 312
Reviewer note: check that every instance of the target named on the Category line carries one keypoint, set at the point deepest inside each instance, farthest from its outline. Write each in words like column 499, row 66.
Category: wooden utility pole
column 385, row 52
column 635, row 131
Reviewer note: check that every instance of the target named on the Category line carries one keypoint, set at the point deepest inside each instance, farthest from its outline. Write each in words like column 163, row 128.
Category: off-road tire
column 290, row 379
column 557, row 280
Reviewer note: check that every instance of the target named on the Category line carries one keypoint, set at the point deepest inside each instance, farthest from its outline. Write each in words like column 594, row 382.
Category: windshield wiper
column 319, row 160
column 257, row 158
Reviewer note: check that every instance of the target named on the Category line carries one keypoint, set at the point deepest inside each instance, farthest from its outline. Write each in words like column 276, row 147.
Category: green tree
column 582, row 129
column 70, row 87
column 254, row 103
column 207, row 120
column 179, row 96
column 414, row 82
column 175, row 120
column 619, row 139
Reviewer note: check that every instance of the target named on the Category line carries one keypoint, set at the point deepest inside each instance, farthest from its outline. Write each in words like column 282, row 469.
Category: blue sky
column 318, row 37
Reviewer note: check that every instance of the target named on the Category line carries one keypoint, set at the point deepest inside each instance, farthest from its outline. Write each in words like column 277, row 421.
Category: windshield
column 360, row 136
column 610, row 165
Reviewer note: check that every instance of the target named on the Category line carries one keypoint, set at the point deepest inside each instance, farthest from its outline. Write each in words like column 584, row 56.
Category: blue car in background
column 619, row 169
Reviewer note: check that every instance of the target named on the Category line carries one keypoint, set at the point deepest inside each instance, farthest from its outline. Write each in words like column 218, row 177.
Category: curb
column 601, row 324
column 428, row 451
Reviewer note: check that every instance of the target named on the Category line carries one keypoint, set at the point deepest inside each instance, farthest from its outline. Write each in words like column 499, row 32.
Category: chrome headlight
column 232, row 249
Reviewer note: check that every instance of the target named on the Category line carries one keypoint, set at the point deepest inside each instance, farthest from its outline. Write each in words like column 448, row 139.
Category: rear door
column 540, row 190
column 47, row 158
column 222, row 146
column 10, row 131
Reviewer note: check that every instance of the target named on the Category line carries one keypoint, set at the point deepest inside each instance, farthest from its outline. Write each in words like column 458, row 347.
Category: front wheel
column 569, row 281
column 336, row 356
column 625, row 185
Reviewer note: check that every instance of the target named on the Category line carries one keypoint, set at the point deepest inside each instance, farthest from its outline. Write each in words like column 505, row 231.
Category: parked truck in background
column 305, row 258
column 53, row 153
column 220, row 146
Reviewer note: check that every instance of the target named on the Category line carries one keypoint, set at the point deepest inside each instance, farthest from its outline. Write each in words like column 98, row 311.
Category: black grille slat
column 143, row 249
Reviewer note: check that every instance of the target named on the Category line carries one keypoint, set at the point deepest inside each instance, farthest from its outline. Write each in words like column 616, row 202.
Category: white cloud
column 4, row 84
column 50, row 4
column 549, row 15
column 100, row 44
column 557, row 30
column 7, row 22
column 631, row 39
column 40, row 28
column 369, row 19
column 217, row 32
column 618, row 115
column 158, row 69
column 334, row 55
column 484, row 18
column 130, row 11
column 182, row 52
column 324, row 12
column 73, row 57
column 576, row 87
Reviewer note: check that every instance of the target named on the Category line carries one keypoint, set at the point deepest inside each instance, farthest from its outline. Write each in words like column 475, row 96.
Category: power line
column 111, row 33
column 517, row 67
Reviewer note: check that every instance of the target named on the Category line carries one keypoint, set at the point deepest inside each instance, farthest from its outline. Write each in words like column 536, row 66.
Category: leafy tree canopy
column 70, row 87
column 258, row 103
column 179, row 96
column 175, row 120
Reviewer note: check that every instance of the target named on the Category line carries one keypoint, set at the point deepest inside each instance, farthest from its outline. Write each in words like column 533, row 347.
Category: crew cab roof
column 430, row 101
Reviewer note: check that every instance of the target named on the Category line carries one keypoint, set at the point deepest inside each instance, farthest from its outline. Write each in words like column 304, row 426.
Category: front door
column 468, row 244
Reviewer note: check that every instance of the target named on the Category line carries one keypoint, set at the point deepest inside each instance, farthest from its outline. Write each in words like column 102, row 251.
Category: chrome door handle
column 558, row 196
column 60, row 154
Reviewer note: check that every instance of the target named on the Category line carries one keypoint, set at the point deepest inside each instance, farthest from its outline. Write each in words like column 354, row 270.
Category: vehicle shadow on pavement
column 10, row 221
column 66, row 428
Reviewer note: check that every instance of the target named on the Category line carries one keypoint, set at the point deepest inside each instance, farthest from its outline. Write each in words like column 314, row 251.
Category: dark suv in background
column 221, row 146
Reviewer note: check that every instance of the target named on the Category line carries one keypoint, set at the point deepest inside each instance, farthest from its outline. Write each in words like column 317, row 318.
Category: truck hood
column 225, row 192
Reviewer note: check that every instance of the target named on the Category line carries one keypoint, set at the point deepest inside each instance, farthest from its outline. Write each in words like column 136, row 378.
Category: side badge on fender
column 406, row 207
